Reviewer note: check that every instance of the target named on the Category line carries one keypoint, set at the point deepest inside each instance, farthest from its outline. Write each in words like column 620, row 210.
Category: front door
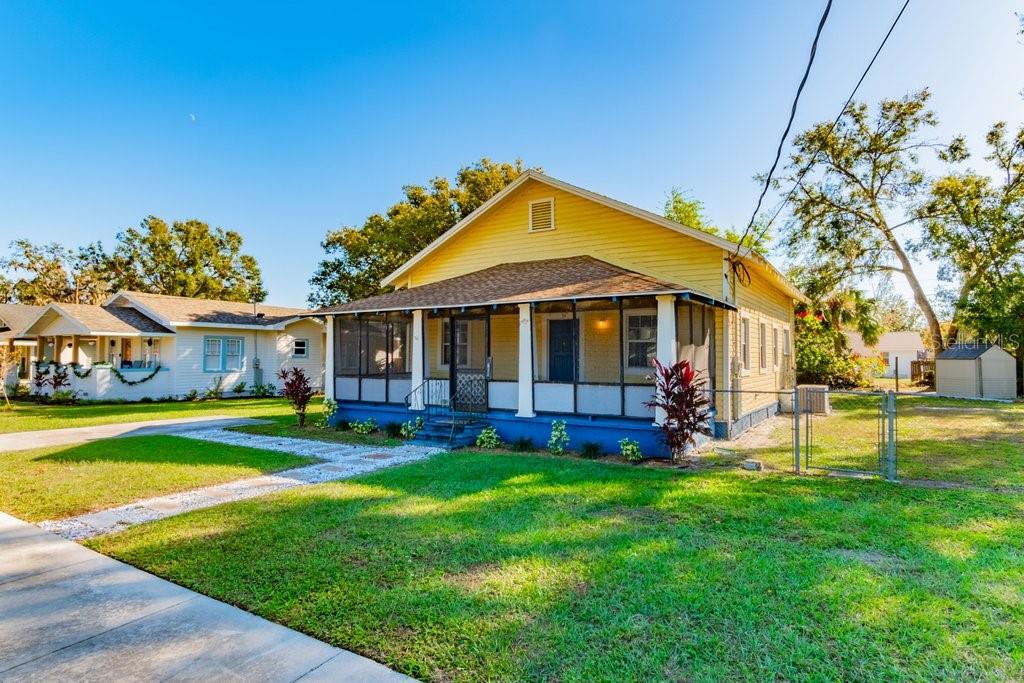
column 467, row 363
column 560, row 341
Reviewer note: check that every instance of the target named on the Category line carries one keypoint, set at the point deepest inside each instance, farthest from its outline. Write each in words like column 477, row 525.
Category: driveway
column 23, row 441
column 69, row 613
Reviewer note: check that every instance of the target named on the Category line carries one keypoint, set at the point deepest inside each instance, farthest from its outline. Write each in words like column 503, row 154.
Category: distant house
column 895, row 349
column 550, row 302
column 176, row 345
column 976, row 371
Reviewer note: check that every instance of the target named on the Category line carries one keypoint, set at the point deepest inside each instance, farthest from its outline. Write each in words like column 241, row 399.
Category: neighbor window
column 461, row 343
column 222, row 353
column 300, row 348
column 885, row 358
column 641, row 340
column 762, row 345
column 745, row 344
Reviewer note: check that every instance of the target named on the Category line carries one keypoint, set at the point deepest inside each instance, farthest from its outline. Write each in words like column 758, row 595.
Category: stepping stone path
column 338, row 461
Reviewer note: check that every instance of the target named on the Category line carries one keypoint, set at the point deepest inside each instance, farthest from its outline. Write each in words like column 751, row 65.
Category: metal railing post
column 796, row 431
column 892, row 437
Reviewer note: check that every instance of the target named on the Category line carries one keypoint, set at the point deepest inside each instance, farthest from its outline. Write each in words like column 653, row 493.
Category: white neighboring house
column 14, row 318
column 896, row 349
column 175, row 344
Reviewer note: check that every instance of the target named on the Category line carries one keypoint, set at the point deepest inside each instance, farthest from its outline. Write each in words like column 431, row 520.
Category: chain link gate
column 845, row 432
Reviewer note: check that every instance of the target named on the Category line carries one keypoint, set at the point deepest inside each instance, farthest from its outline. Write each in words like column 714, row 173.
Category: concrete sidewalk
column 21, row 441
column 68, row 613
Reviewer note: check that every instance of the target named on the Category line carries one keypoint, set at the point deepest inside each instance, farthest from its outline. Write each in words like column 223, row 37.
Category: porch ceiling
column 576, row 277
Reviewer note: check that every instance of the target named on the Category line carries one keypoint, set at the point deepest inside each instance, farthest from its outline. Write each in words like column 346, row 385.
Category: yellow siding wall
column 761, row 302
column 582, row 227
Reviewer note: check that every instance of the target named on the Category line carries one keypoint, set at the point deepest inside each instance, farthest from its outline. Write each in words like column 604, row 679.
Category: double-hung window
column 763, row 345
column 221, row 354
column 745, row 342
column 641, row 340
column 775, row 347
column 461, row 343
column 300, row 348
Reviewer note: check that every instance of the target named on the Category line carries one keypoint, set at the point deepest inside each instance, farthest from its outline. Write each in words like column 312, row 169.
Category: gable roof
column 887, row 341
column 93, row 319
column 561, row 279
column 185, row 311
column 16, row 317
column 532, row 174
column 965, row 351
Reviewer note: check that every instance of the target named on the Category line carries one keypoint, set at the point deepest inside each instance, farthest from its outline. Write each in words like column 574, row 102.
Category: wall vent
column 542, row 215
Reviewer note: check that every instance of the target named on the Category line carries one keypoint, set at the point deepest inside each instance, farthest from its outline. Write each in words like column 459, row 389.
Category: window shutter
column 542, row 215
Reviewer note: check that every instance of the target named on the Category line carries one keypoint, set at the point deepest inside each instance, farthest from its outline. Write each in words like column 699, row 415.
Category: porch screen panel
column 640, row 339
column 375, row 346
column 553, row 343
column 400, row 326
column 505, row 344
column 599, row 358
column 346, row 354
column 433, row 353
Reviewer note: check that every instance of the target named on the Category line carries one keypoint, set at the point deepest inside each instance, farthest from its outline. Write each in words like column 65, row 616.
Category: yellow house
column 550, row 302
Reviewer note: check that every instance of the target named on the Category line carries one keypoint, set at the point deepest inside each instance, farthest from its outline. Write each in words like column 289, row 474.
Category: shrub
column 393, row 429
column 215, row 392
column 263, row 390
column 559, row 439
column 630, row 450
column 819, row 362
column 679, row 391
column 193, row 395
column 343, row 426
column 367, row 426
column 523, row 444
column 411, row 428
column 239, row 388
column 330, row 408
column 488, row 438
column 64, row 397
column 591, row 449
column 146, row 399
column 297, row 389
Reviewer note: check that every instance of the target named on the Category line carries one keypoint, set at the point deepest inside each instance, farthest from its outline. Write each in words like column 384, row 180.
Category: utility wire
column 789, row 124
column 810, row 162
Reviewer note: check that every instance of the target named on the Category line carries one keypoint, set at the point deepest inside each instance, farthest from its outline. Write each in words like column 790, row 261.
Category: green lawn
column 966, row 442
column 503, row 567
column 286, row 426
column 30, row 416
column 64, row 481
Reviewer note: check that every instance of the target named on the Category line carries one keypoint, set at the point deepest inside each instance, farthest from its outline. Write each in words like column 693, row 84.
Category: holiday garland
column 82, row 374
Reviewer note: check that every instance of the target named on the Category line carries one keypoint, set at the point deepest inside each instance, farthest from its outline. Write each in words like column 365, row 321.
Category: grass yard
column 967, row 442
column 30, row 416
column 286, row 426
column 64, row 481
column 473, row 567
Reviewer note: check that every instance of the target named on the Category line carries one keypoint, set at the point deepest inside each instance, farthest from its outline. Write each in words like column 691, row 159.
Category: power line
column 810, row 162
column 789, row 124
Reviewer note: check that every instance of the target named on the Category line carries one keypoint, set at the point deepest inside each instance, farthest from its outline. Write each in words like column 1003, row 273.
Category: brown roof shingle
column 112, row 319
column 16, row 317
column 185, row 310
column 575, row 277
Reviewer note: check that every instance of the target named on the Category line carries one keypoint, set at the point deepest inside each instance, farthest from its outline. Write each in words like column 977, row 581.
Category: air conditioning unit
column 814, row 399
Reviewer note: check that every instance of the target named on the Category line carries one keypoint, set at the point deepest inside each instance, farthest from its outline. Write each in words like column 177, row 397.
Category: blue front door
column 560, row 355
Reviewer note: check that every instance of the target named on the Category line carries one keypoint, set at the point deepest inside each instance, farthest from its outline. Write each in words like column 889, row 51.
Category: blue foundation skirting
column 604, row 430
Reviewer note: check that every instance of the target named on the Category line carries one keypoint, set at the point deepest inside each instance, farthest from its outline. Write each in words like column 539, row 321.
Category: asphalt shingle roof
column 548, row 279
column 16, row 317
column 112, row 319
column 964, row 352
column 185, row 310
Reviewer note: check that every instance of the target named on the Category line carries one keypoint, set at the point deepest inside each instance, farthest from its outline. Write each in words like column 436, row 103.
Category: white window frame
column 529, row 217
column 305, row 347
column 744, row 341
column 776, row 354
column 646, row 313
column 445, row 341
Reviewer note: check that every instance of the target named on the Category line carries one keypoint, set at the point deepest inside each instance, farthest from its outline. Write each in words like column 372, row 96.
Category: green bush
column 411, row 428
column 216, row 391
column 559, row 439
column 239, row 388
column 264, row 390
column 192, row 395
column 367, row 426
column 523, row 444
column 488, row 438
column 819, row 362
column 591, row 449
column 630, row 450
column 393, row 429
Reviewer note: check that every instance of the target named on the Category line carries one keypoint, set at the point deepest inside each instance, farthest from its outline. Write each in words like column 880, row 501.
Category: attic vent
column 542, row 215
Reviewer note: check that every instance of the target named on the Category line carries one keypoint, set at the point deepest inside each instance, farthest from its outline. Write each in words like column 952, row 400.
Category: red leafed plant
column 679, row 391
column 297, row 390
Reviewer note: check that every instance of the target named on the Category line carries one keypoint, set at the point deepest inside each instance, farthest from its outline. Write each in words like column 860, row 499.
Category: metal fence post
column 892, row 436
column 796, row 431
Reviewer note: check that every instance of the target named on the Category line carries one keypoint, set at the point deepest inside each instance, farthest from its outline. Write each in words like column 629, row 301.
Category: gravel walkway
column 339, row 461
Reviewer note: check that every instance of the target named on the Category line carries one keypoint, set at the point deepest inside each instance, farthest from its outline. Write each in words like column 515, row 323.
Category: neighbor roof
column 185, row 310
column 532, row 174
column 964, row 352
column 575, row 277
column 95, row 319
column 16, row 317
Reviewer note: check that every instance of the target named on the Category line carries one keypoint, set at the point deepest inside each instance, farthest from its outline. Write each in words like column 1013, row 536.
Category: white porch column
column 329, row 361
column 418, row 365
column 525, row 383
column 666, row 345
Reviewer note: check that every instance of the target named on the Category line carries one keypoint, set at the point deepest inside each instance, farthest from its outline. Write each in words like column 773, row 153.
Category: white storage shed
column 976, row 371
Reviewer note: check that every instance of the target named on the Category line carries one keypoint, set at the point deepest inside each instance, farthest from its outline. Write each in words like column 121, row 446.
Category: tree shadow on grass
column 472, row 567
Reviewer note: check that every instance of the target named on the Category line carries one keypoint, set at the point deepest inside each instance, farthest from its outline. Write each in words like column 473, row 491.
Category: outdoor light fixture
column 603, row 324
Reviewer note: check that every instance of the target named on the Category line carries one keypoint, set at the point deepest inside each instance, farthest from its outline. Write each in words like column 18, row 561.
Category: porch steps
column 449, row 433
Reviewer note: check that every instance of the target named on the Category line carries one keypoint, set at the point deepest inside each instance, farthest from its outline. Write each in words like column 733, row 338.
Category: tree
column 840, row 304
column 360, row 257
column 297, row 390
column 894, row 312
column 689, row 211
column 186, row 258
column 860, row 188
column 52, row 273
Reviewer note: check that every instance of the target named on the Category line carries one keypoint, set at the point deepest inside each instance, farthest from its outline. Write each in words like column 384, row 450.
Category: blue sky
column 283, row 124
